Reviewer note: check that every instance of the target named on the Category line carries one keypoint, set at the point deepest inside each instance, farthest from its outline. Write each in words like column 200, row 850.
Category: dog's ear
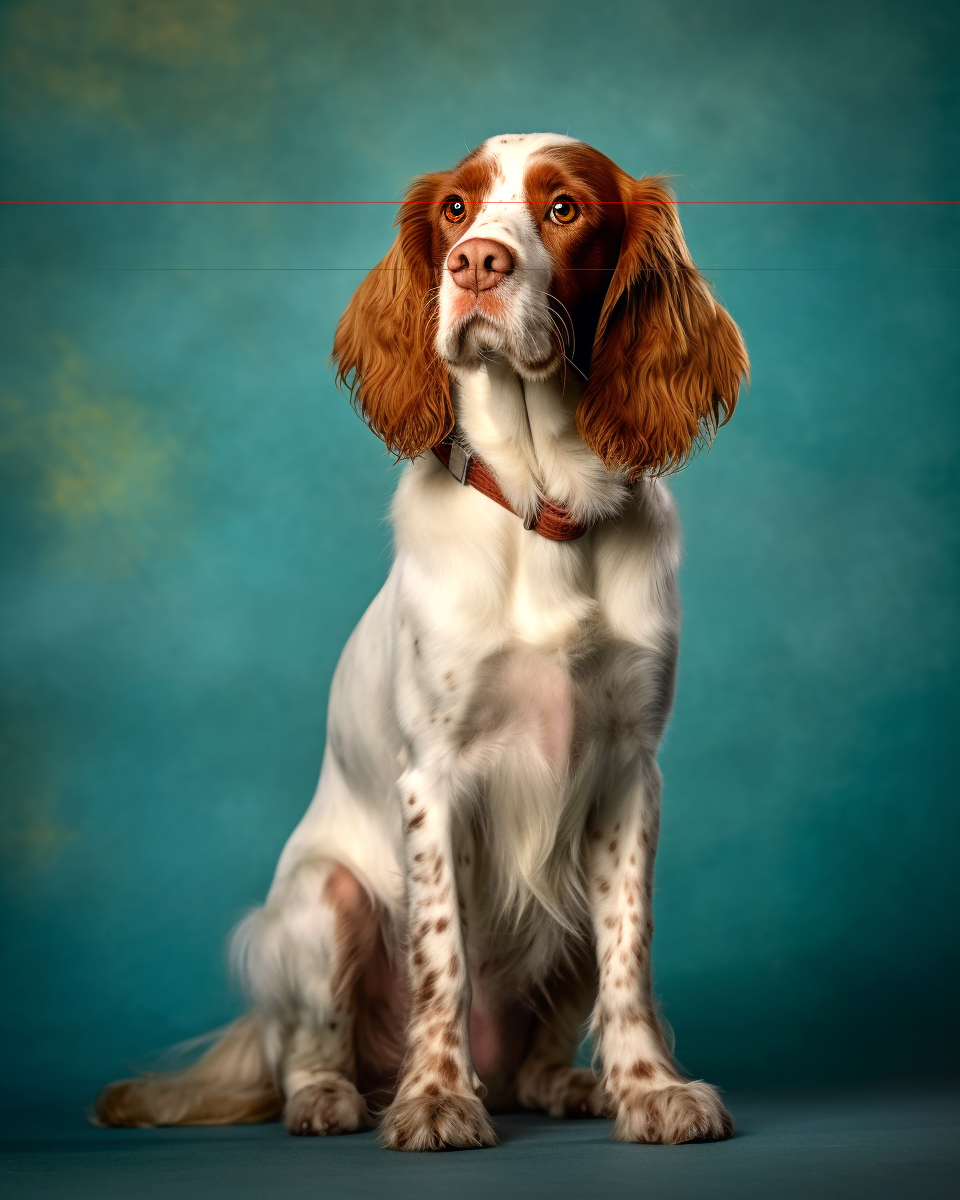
column 384, row 346
column 667, row 360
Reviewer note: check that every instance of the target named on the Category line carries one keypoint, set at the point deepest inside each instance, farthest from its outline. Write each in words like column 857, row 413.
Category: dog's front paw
column 448, row 1121
column 680, row 1112
column 331, row 1106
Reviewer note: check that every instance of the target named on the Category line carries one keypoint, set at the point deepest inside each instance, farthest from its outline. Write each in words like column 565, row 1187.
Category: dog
column 471, row 883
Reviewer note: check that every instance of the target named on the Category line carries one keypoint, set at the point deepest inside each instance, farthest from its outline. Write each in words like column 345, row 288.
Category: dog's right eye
column 454, row 210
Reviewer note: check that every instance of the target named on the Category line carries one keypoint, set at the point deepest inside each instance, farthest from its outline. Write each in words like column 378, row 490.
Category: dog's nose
column 479, row 263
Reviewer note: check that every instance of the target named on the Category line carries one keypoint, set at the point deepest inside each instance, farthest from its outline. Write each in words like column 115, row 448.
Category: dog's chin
column 479, row 339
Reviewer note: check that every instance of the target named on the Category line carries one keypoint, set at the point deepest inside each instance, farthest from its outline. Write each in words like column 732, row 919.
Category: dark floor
column 903, row 1143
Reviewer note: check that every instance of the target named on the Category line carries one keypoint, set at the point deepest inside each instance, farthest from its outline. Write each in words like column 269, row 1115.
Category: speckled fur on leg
column 651, row 1100
column 436, row 1106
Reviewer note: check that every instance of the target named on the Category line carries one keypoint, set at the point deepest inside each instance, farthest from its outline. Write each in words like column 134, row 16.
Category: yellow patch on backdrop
column 90, row 465
column 31, row 836
column 95, row 53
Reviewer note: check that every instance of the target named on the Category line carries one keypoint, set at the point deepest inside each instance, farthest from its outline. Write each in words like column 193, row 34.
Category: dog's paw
column 323, row 1109
column 448, row 1121
column 564, row 1092
column 680, row 1112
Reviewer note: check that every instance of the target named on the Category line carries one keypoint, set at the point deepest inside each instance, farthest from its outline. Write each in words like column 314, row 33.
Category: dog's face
column 541, row 251
column 527, row 230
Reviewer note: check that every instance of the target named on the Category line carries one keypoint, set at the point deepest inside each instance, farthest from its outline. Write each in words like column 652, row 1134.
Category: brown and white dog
column 473, row 876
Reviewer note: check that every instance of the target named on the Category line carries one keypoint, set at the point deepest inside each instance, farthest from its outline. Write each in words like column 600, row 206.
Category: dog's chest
column 517, row 658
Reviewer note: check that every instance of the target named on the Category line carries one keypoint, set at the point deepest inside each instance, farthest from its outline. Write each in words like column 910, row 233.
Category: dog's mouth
column 479, row 335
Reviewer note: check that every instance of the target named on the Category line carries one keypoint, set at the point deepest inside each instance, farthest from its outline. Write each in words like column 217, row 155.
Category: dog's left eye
column 563, row 210
column 454, row 209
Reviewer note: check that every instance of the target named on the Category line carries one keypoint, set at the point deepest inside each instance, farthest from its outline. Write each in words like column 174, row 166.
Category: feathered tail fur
column 229, row 1085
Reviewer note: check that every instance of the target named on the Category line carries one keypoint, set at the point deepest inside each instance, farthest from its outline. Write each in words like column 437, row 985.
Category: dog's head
column 540, row 250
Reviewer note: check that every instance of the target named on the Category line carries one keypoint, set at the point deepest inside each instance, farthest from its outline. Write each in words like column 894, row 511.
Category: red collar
column 551, row 521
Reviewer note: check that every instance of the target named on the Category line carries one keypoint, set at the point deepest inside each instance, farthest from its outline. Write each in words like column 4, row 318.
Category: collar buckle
column 460, row 459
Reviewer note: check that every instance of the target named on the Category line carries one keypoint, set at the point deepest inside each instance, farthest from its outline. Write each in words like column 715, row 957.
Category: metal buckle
column 459, row 462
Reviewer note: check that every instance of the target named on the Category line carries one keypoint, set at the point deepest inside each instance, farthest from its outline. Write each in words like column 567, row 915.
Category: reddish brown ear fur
column 384, row 345
column 667, row 360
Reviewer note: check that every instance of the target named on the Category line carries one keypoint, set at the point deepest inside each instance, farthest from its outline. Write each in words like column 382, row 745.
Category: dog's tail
column 230, row 1085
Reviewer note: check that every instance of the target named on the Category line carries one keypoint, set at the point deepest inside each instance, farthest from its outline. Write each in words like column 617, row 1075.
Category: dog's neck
column 526, row 432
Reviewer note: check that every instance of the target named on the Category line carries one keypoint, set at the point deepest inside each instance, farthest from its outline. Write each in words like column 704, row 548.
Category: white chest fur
column 530, row 669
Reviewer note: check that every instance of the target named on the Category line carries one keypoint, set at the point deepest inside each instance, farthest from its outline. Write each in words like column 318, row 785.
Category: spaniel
column 472, row 881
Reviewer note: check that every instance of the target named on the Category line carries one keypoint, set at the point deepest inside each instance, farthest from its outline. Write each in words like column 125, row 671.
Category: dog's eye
column 454, row 210
column 563, row 210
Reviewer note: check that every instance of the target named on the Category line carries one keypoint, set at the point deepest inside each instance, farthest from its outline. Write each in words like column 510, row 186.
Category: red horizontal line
column 379, row 268
column 398, row 202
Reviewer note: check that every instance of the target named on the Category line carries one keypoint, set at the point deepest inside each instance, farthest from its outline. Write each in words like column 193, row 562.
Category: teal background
column 193, row 518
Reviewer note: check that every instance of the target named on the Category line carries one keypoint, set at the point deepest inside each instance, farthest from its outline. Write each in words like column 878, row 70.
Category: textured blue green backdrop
column 193, row 519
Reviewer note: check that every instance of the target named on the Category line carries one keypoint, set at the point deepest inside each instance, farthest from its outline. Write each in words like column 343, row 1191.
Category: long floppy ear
column 667, row 359
column 384, row 344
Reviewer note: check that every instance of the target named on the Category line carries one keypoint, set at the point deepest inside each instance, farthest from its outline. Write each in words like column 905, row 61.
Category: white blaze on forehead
column 503, row 216
column 512, row 150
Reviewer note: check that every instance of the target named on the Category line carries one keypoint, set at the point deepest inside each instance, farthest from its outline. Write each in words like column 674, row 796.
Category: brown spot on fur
column 447, row 1070
column 612, row 846
column 417, row 819
column 418, row 857
column 603, row 887
column 641, row 1069
column 453, row 969
column 609, row 922
column 633, row 860
column 427, row 989
column 442, row 924
column 412, row 799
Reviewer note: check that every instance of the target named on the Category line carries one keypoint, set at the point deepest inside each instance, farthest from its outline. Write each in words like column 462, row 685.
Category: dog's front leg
column 651, row 1100
column 436, row 1105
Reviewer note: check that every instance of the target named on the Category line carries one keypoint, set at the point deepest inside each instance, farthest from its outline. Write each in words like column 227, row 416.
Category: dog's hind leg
column 303, row 954
column 547, row 1079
